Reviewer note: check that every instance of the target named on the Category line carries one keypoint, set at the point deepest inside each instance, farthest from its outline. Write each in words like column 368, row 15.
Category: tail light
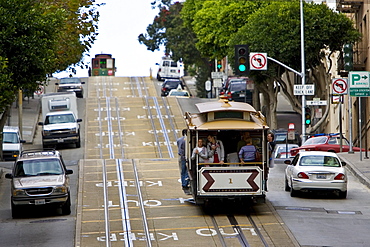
column 229, row 95
column 159, row 70
column 303, row 175
column 222, row 93
column 178, row 71
column 340, row 176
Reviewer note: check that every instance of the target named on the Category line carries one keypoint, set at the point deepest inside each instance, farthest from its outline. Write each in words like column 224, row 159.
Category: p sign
column 359, row 83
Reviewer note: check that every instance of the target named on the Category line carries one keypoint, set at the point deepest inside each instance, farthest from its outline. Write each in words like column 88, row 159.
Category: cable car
column 103, row 65
column 235, row 179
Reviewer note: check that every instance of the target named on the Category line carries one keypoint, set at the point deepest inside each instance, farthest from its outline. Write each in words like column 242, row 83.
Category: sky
column 121, row 22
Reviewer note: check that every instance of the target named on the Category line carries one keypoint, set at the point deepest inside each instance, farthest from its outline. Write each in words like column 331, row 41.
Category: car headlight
column 46, row 132
column 19, row 192
column 74, row 130
column 60, row 189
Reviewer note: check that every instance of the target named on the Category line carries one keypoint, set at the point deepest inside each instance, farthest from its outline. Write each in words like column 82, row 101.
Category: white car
column 179, row 93
column 280, row 154
column 316, row 170
column 12, row 143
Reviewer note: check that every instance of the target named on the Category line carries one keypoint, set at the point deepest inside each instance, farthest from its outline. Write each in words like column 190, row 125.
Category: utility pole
column 303, row 74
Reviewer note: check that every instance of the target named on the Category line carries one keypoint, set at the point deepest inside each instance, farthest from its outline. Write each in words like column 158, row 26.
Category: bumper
column 319, row 185
column 60, row 140
column 12, row 155
column 40, row 200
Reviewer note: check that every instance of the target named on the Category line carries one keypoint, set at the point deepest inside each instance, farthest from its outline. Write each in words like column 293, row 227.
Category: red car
column 328, row 143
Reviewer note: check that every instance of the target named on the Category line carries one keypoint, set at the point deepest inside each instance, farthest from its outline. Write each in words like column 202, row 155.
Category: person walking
column 182, row 163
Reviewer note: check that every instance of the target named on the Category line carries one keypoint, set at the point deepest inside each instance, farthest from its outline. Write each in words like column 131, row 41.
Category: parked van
column 169, row 69
column 12, row 143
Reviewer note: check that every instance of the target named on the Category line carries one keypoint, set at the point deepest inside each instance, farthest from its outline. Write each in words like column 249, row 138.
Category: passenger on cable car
column 201, row 153
column 242, row 142
column 248, row 153
column 216, row 151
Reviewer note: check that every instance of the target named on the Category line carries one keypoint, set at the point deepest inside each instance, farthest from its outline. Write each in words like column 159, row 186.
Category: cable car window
column 96, row 63
column 103, row 63
column 228, row 114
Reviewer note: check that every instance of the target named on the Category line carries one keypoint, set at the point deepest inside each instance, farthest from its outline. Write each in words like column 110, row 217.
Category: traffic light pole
column 303, row 74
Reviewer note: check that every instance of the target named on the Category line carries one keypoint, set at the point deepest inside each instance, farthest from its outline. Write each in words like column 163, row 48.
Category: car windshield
column 178, row 93
column 57, row 119
column 315, row 140
column 10, row 138
column 39, row 167
column 70, row 81
column 319, row 160
column 239, row 86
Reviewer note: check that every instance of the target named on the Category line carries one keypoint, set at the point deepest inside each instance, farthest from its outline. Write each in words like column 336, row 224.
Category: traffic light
column 242, row 60
column 307, row 116
column 219, row 65
column 211, row 64
column 348, row 57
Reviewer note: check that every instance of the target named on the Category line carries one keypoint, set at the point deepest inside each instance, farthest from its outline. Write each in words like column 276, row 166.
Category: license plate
column 173, row 71
column 60, row 140
column 40, row 202
column 321, row 176
column 241, row 95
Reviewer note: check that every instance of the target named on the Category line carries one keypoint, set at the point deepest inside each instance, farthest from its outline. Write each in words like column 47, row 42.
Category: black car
column 237, row 91
column 170, row 84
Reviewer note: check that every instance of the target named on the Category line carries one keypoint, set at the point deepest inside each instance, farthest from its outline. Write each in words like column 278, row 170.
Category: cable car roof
column 222, row 105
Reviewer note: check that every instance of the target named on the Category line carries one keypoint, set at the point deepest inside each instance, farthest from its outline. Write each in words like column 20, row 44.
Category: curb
column 356, row 172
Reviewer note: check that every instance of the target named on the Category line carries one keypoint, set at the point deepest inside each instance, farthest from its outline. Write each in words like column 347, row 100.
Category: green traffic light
column 242, row 67
column 308, row 121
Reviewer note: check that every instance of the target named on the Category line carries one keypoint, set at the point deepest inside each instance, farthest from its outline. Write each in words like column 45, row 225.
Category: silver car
column 71, row 85
column 316, row 170
column 280, row 154
column 39, row 178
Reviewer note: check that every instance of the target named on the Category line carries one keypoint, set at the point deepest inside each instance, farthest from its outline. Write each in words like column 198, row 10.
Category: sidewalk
column 30, row 114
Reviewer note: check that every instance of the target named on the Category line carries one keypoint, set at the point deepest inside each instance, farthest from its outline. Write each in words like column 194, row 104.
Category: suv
column 12, row 143
column 170, row 84
column 71, row 85
column 237, row 91
column 39, row 178
column 169, row 69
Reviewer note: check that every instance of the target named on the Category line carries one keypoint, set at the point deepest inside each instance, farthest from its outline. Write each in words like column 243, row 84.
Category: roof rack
column 38, row 152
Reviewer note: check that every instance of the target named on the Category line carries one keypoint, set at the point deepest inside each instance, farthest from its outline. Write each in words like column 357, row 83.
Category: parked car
column 71, row 84
column 179, row 93
column 281, row 134
column 327, row 142
column 39, row 178
column 315, row 171
column 170, row 84
column 12, row 143
column 237, row 91
column 281, row 153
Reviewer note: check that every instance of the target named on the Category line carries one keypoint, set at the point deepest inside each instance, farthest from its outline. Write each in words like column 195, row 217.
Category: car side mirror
column 344, row 163
column 9, row 175
column 288, row 162
column 82, row 82
column 56, row 83
column 69, row 171
column 79, row 120
column 41, row 123
column 23, row 141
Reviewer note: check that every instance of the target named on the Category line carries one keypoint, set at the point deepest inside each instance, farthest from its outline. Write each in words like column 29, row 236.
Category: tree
column 275, row 29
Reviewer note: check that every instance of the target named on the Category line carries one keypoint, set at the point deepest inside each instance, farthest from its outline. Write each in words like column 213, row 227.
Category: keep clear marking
column 140, row 237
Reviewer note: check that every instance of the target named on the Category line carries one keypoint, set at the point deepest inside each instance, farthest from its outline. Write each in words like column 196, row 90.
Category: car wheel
column 15, row 211
column 66, row 208
column 293, row 192
column 78, row 143
column 287, row 188
column 342, row 194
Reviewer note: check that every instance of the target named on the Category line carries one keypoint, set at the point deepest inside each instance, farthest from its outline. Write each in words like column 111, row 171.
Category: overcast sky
column 121, row 22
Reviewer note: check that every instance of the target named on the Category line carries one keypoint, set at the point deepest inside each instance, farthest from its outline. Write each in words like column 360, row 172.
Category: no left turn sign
column 258, row 61
column 340, row 86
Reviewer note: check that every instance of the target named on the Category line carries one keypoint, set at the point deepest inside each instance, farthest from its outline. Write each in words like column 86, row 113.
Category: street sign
column 217, row 75
column 313, row 102
column 217, row 82
column 258, row 61
column 340, row 86
column 359, row 83
column 307, row 89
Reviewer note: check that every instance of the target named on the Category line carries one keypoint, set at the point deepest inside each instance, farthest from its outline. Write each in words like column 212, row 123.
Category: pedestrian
column 216, row 151
column 200, row 152
column 182, row 163
column 248, row 153
column 271, row 141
